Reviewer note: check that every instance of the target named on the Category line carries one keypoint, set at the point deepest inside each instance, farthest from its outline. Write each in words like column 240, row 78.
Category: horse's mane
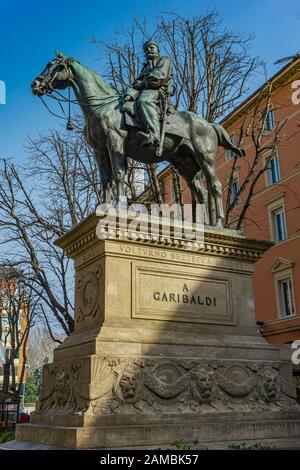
column 104, row 87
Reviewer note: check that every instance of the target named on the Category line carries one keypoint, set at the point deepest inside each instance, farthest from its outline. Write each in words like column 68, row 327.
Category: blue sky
column 30, row 32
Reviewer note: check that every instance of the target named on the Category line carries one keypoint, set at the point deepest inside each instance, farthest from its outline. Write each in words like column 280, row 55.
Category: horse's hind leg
column 205, row 143
column 200, row 190
column 216, row 189
column 189, row 170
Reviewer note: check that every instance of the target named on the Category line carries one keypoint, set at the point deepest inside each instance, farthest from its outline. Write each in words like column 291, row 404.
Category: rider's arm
column 139, row 84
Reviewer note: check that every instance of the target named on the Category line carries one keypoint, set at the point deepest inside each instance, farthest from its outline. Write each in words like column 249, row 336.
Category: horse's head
column 56, row 75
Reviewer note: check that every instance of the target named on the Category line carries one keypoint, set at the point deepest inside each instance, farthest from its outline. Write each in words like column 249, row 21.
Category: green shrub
column 6, row 437
column 31, row 390
column 180, row 444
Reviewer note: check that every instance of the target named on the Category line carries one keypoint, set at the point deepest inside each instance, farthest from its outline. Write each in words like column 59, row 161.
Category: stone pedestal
column 165, row 347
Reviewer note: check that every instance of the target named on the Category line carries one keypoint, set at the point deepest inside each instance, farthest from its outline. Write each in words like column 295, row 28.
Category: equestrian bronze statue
column 141, row 124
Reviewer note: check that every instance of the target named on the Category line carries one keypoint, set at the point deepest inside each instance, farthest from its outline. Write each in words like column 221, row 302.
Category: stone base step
column 274, row 444
column 224, row 427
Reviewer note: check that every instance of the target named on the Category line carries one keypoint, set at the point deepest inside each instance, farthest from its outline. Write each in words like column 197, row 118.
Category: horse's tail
column 225, row 141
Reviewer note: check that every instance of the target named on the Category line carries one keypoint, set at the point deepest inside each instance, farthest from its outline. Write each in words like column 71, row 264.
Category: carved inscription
column 183, row 297
column 141, row 251
column 184, row 257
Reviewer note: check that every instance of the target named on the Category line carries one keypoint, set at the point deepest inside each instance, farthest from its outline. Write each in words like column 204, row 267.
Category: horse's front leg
column 105, row 170
column 115, row 145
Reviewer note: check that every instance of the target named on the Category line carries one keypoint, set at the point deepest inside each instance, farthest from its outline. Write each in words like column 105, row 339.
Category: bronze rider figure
column 147, row 91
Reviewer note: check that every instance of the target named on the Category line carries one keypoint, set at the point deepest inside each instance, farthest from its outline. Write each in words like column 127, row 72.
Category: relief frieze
column 122, row 385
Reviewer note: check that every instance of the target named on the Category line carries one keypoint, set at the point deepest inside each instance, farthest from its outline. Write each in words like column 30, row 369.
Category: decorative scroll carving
column 237, row 381
column 88, row 287
column 166, row 380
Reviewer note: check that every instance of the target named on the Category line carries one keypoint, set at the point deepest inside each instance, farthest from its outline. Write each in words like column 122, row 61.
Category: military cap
column 150, row 41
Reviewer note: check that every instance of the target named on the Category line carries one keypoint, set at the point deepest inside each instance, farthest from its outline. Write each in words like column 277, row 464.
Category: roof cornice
column 284, row 76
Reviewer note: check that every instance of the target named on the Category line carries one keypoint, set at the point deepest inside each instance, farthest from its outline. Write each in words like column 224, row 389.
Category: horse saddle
column 171, row 124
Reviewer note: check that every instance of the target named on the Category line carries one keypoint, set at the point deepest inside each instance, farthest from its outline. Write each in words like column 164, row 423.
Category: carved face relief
column 269, row 386
column 62, row 388
column 202, row 385
column 129, row 387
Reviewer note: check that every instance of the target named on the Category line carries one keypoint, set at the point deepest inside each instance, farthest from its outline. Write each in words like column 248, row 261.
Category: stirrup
column 154, row 143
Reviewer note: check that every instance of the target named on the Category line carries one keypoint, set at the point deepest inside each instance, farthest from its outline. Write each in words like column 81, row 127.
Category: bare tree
column 19, row 308
column 57, row 188
column 123, row 57
column 40, row 347
column 212, row 65
column 135, row 180
column 263, row 144
column 156, row 193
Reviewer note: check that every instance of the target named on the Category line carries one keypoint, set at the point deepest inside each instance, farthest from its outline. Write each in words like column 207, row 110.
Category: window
column 270, row 121
column 284, row 287
column 277, row 220
column 286, row 297
column 173, row 195
column 7, row 353
column 229, row 154
column 279, row 228
column 162, row 188
column 234, row 191
column 273, row 171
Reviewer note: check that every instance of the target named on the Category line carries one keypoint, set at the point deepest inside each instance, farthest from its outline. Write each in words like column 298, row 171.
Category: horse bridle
column 49, row 81
column 65, row 62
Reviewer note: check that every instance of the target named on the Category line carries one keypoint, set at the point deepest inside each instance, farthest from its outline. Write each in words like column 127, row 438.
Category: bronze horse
column 191, row 147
